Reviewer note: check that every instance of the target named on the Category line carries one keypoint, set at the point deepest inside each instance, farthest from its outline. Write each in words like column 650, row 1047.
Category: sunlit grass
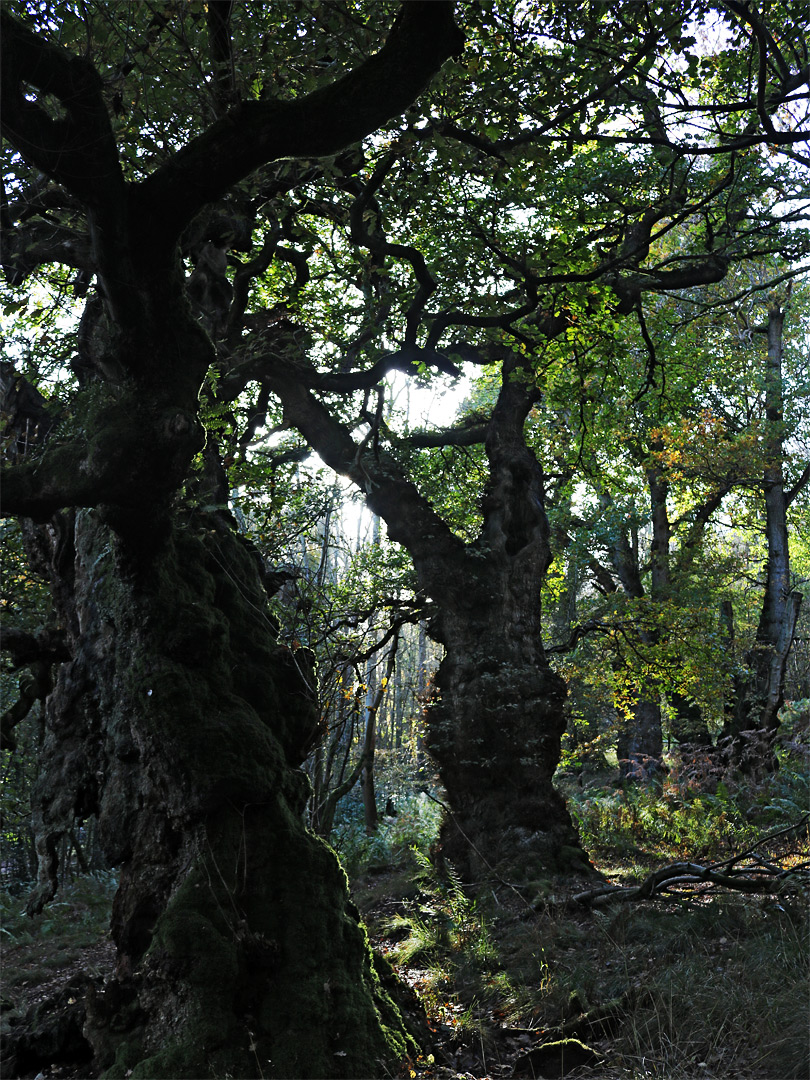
column 706, row 986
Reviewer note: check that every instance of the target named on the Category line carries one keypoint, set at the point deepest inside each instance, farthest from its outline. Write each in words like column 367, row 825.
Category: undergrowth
column 35, row 947
column 414, row 827
column 443, row 920
column 440, row 940
column 710, row 985
column 78, row 915
column 683, row 818
column 715, row 990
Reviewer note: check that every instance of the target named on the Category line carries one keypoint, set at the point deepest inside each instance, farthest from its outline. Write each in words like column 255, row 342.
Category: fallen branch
column 746, row 872
column 598, row 1020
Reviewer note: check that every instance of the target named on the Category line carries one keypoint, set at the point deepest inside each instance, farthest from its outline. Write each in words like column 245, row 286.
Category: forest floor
column 702, row 985
column 708, row 985
column 48, row 962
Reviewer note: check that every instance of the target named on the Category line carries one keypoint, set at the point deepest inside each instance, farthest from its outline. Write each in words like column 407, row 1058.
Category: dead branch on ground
column 749, row 872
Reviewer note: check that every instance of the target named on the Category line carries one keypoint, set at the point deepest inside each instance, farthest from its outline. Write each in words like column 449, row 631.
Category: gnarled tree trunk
column 178, row 721
column 495, row 724
column 182, row 723
column 494, row 729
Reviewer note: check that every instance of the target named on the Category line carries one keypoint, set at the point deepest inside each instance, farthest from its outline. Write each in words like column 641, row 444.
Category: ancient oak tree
column 178, row 720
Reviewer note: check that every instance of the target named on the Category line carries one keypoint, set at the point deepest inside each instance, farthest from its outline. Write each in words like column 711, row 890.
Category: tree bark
column 494, row 728
column 760, row 692
column 182, row 724
column 495, row 723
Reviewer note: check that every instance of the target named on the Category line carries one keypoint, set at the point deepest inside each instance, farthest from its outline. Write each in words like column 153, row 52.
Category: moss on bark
column 494, row 729
column 182, row 723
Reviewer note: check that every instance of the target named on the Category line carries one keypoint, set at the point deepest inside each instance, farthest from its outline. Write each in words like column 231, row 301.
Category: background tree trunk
column 688, row 724
column 371, row 711
column 760, row 693
column 640, row 744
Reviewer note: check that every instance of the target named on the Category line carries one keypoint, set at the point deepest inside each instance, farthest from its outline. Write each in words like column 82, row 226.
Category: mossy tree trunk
column 182, row 724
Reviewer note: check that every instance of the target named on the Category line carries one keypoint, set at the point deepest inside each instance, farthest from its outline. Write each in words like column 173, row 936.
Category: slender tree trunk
column 376, row 689
column 370, row 812
column 398, row 712
column 182, row 724
column 421, row 661
column 727, row 636
column 760, row 693
column 421, row 691
column 316, row 767
column 335, row 787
